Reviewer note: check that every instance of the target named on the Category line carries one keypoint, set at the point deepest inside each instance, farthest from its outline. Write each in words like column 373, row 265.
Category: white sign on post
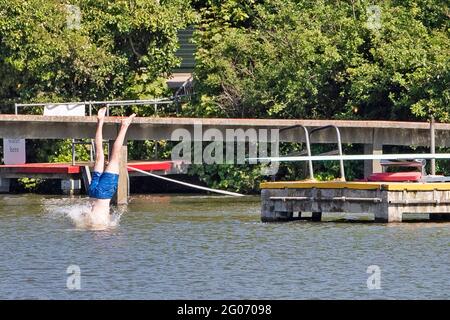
column 65, row 110
column 14, row 151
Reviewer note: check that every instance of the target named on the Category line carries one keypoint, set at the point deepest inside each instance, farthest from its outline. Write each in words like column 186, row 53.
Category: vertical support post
column 316, row 216
column 110, row 147
column 70, row 186
column 376, row 147
column 73, row 152
column 395, row 214
column 387, row 212
column 4, row 185
column 372, row 166
column 267, row 206
column 91, row 150
column 432, row 146
column 122, row 190
column 86, row 175
column 121, row 196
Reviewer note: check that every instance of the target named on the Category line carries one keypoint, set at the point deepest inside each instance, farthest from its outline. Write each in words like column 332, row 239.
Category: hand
column 101, row 113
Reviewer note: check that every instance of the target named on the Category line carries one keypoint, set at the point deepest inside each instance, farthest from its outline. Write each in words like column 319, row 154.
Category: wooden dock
column 387, row 201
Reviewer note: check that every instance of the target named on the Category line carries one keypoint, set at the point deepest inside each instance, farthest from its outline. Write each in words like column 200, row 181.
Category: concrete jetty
column 372, row 134
column 387, row 201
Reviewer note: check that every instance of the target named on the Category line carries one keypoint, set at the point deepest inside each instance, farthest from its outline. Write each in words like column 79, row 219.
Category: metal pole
column 92, row 140
column 73, row 152
column 92, row 150
column 433, row 146
column 15, row 108
column 341, row 162
column 308, row 146
column 118, row 102
column 339, row 142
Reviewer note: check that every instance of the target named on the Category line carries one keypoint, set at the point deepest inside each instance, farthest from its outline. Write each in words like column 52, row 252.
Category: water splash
column 81, row 217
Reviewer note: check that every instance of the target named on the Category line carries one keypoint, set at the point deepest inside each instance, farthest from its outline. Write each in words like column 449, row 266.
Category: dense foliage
column 324, row 59
column 101, row 50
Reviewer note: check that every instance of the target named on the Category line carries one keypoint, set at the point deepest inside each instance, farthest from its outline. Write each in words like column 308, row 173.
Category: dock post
column 4, row 185
column 86, row 175
column 432, row 146
column 316, row 216
column 388, row 213
column 121, row 196
column 372, row 166
column 70, row 186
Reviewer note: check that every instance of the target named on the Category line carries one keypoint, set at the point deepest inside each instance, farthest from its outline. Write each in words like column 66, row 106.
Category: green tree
column 322, row 59
column 120, row 49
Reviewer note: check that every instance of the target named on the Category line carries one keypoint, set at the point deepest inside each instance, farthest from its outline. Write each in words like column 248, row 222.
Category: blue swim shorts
column 103, row 185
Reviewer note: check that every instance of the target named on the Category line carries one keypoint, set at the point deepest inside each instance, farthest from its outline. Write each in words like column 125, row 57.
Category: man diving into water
column 104, row 182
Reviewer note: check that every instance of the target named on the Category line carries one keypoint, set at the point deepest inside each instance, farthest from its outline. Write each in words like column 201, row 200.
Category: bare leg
column 99, row 156
column 113, row 165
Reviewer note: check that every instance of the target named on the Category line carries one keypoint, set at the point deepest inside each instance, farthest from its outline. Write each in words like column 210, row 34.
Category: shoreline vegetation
column 284, row 59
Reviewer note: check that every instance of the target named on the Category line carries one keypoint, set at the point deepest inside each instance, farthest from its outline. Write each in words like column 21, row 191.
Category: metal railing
column 107, row 104
column 91, row 149
column 186, row 89
column 339, row 143
column 308, row 146
column 90, row 104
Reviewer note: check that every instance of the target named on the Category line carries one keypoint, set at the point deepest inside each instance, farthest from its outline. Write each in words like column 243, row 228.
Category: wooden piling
column 122, row 188
column 86, row 175
column 121, row 196
column 4, row 185
column 70, row 186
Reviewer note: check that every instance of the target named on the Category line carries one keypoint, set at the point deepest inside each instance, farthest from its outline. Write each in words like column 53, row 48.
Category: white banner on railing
column 14, row 151
column 65, row 110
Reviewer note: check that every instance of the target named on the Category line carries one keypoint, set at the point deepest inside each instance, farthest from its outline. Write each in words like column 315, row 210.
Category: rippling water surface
column 200, row 247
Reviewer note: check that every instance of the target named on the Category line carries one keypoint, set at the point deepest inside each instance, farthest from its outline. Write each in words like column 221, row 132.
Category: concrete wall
column 386, row 206
column 364, row 132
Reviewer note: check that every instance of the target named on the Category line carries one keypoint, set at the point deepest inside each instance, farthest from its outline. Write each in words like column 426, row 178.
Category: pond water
column 207, row 247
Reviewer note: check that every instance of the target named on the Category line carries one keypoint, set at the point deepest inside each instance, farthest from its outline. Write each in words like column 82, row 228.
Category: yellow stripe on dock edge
column 390, row 186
